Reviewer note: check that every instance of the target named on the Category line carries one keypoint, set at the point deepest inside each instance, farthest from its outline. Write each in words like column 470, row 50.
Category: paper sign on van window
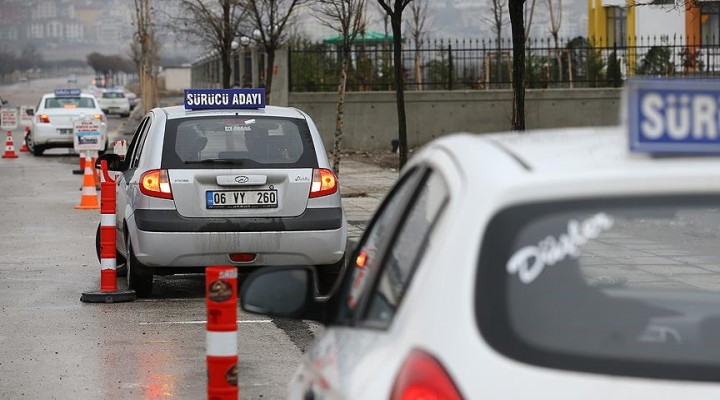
column 530, row 261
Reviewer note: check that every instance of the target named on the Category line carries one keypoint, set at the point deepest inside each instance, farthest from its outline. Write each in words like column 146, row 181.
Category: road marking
column 240, row 321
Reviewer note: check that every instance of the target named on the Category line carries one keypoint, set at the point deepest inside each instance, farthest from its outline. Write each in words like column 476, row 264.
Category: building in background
column 688, row 32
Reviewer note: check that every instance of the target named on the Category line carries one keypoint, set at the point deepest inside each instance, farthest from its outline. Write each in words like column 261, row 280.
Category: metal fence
column 479, row 64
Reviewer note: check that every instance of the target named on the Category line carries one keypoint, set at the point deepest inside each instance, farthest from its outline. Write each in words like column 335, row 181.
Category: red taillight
column 422, row 377
column 323, row 183
column 155, row 183
column 242, row 257
column 43, row 118
column 361, row 259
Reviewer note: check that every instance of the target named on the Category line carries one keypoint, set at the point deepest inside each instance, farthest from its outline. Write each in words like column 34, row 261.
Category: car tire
column 327, row 275
column 121, row 269
column 139, row 277
column 35, row 149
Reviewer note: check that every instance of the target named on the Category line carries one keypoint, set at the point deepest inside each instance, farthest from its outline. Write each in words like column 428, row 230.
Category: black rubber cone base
column 118, row 296
column 78, row 172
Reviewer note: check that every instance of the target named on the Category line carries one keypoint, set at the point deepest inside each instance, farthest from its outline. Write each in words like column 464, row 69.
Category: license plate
column 241, row 199
column 65, row 131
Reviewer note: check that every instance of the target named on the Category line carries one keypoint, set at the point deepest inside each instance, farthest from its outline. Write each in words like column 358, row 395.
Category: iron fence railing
column 478, row 64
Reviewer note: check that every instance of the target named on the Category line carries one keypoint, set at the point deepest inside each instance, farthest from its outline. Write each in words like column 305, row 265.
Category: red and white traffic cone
column 24, row 147
column 82, row 165
column 108, row 292
column 222, row 354
column 9, row 147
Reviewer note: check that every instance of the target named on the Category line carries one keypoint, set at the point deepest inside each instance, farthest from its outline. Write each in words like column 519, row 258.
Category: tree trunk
column 226, row 69
column 339, row 121
column 270, row 67
column 396, row 22
column 518, row 71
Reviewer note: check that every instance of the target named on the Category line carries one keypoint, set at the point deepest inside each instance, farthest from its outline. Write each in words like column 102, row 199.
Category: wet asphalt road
column 52, row 346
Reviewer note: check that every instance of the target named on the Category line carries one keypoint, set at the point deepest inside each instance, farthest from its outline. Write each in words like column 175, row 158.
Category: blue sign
column 224, row 99
column 673, row 116
column 67, row 92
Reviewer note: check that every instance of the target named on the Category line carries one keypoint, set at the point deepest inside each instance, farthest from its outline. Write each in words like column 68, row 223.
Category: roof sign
column 225, row 99
column 673, row 116
column 67, row 92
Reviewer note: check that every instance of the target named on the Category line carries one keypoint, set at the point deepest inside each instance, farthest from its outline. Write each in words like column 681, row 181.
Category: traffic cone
column 89, row 198
column 80, row 170
column 9, row 147
column 24, row 147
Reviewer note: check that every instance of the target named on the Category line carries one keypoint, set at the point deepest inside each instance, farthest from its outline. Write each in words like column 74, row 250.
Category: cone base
column 78, row 171
column 118, row 296
column 87, row 207
column 10, row 156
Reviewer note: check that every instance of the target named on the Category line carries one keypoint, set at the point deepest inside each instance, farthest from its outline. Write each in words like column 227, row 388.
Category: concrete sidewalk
column 363, row 186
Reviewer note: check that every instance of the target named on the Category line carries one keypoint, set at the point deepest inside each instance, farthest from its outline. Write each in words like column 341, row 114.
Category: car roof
column 82, row 94
column 572, row 151
column 175, row 112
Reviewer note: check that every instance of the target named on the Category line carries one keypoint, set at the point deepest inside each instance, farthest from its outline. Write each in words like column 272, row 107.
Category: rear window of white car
column 238, row 142
column 69, row 102
column 615, row 286
column 113, row 95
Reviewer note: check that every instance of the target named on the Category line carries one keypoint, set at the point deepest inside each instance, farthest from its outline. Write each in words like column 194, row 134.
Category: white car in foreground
column 543, row 265
column 55, row 115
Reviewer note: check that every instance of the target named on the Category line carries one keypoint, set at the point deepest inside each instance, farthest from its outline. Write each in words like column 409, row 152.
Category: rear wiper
column 233, row 161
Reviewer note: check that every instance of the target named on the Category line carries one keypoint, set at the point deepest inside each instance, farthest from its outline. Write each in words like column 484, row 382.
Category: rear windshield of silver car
column 615, row 286
column 69, row 102
column 238, row 142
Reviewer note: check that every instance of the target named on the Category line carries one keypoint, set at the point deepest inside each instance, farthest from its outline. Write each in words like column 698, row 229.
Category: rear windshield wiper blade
column 234, row 161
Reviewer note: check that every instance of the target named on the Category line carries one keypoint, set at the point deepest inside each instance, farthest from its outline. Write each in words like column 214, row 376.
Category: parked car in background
column 113, row 101
column 133, row 99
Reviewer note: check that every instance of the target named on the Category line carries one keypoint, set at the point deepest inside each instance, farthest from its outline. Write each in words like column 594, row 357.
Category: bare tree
column 417, row 23
column 394, row 9
column 529, row 12
column 516, row 10
column 212, row 23
column 148, row 54
column 555, row 22
column 347, row 17
column 498, row 23
column 270, row 18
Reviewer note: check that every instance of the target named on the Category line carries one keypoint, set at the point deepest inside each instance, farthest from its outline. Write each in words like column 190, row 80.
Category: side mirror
column 4, row 101
column 286, row 292
column 30, row 111
column 113, row 161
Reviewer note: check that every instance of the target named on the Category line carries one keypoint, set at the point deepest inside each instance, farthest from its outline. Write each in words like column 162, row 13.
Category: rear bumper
column 313, row 219
column 211, row 243
column 48, row 136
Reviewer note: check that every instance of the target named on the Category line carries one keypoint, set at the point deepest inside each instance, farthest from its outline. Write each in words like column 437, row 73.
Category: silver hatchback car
column 244, row 187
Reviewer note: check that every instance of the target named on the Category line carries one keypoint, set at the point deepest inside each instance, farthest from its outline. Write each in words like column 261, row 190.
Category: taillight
column 43, row 118
column 155, row 183
column 422, row 377
column 242, row 257
column 323, row 183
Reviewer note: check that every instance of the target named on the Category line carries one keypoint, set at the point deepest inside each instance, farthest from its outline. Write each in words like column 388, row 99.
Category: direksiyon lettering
column 530, row 261
column 679, row 116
